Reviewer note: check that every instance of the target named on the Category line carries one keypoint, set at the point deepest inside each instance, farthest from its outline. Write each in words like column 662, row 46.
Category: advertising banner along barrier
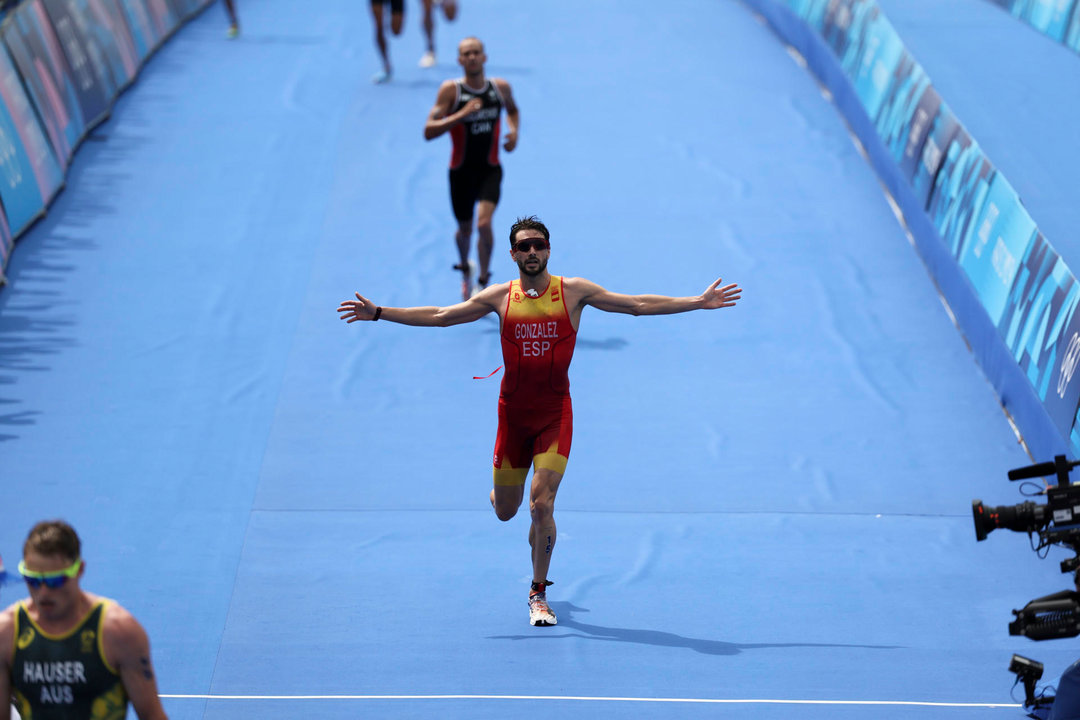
column 871, row 56
column 960, row 186
column 1058, row 19
column 995, row 241
column 1072, row 35
column 943, row 128
column 7, row 243
column 41, row 64
column 29, row 173
column 1042, row 330
column 84, row 62
column 163, row 18
column 144, row 35
column 62, row 65
column 113, row 22
column 93, row 47
column 904, row 120
column 186, row 8
column 1012, row 294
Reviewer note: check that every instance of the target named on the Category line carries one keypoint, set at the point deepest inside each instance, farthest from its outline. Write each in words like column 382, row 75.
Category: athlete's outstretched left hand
column 359, row 309
column 720, row 297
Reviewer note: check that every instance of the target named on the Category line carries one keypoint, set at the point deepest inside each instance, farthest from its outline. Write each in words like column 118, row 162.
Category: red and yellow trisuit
column 536, row 419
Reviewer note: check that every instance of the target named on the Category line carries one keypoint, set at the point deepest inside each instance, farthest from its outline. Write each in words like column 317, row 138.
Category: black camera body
column 1055, row 523
column 1028, row 672
column 1049, row 618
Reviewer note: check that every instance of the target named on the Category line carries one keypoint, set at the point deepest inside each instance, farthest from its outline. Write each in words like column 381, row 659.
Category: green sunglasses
column 50, row 579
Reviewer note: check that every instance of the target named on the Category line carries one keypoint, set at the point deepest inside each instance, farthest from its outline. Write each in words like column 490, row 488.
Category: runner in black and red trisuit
column 470, row 109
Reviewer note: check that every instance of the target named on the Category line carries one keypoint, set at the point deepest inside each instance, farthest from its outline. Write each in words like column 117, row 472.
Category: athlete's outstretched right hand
column 359, row 309
column 719, row 297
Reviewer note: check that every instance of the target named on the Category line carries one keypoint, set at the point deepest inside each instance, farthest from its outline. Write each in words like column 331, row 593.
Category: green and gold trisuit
column 65, row 677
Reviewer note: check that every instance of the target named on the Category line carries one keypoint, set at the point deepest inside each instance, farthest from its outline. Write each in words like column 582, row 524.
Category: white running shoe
column 540, row 614
column 427, row 60
column 468, row 282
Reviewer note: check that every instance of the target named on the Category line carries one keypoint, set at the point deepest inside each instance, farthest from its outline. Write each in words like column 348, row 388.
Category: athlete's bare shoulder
column 8, row 613
column 504, row 88
column 582, row 292
column 578, row 288
column 117, row 617
column 444, row 98
column 494, row 295
column 7, row 633
column 121, row 634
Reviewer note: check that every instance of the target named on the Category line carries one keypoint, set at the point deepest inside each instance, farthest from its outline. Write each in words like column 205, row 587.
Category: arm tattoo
column 147, row 671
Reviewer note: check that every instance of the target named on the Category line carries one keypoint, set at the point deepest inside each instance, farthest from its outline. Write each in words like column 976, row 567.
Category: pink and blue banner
column 7, row 242
column 93, row 39
column 163, row 17
column 62, row 65
column 140, row 25
column 33, row 45
column 88, row 56
column 30, row 174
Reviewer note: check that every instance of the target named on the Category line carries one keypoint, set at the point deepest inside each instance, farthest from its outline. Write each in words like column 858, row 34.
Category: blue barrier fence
column 62, row 65
column 1013, row 297
column 1059, row 19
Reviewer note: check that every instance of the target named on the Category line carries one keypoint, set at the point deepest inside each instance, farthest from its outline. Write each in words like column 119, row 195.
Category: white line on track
column 714, row 701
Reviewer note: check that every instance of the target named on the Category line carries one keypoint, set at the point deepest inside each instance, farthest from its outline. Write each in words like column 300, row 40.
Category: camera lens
column 1025, row 517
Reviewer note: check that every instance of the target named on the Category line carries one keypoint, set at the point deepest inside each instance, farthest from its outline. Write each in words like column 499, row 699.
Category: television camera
column 1055, row 523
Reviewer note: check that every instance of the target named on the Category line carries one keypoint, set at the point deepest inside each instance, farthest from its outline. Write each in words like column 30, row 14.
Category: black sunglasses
column 531, row 244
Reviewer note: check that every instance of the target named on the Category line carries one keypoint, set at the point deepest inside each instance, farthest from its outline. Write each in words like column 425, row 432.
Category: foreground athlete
column 67, row 654
column 539, row 315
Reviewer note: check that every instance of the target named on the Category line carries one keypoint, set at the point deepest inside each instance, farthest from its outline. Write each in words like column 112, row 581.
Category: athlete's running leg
column 463, row 238
column 380, row 40
column 485, row 210
column 234, row 24
column 506, row 499
column 429, row 31
column 545, row 483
